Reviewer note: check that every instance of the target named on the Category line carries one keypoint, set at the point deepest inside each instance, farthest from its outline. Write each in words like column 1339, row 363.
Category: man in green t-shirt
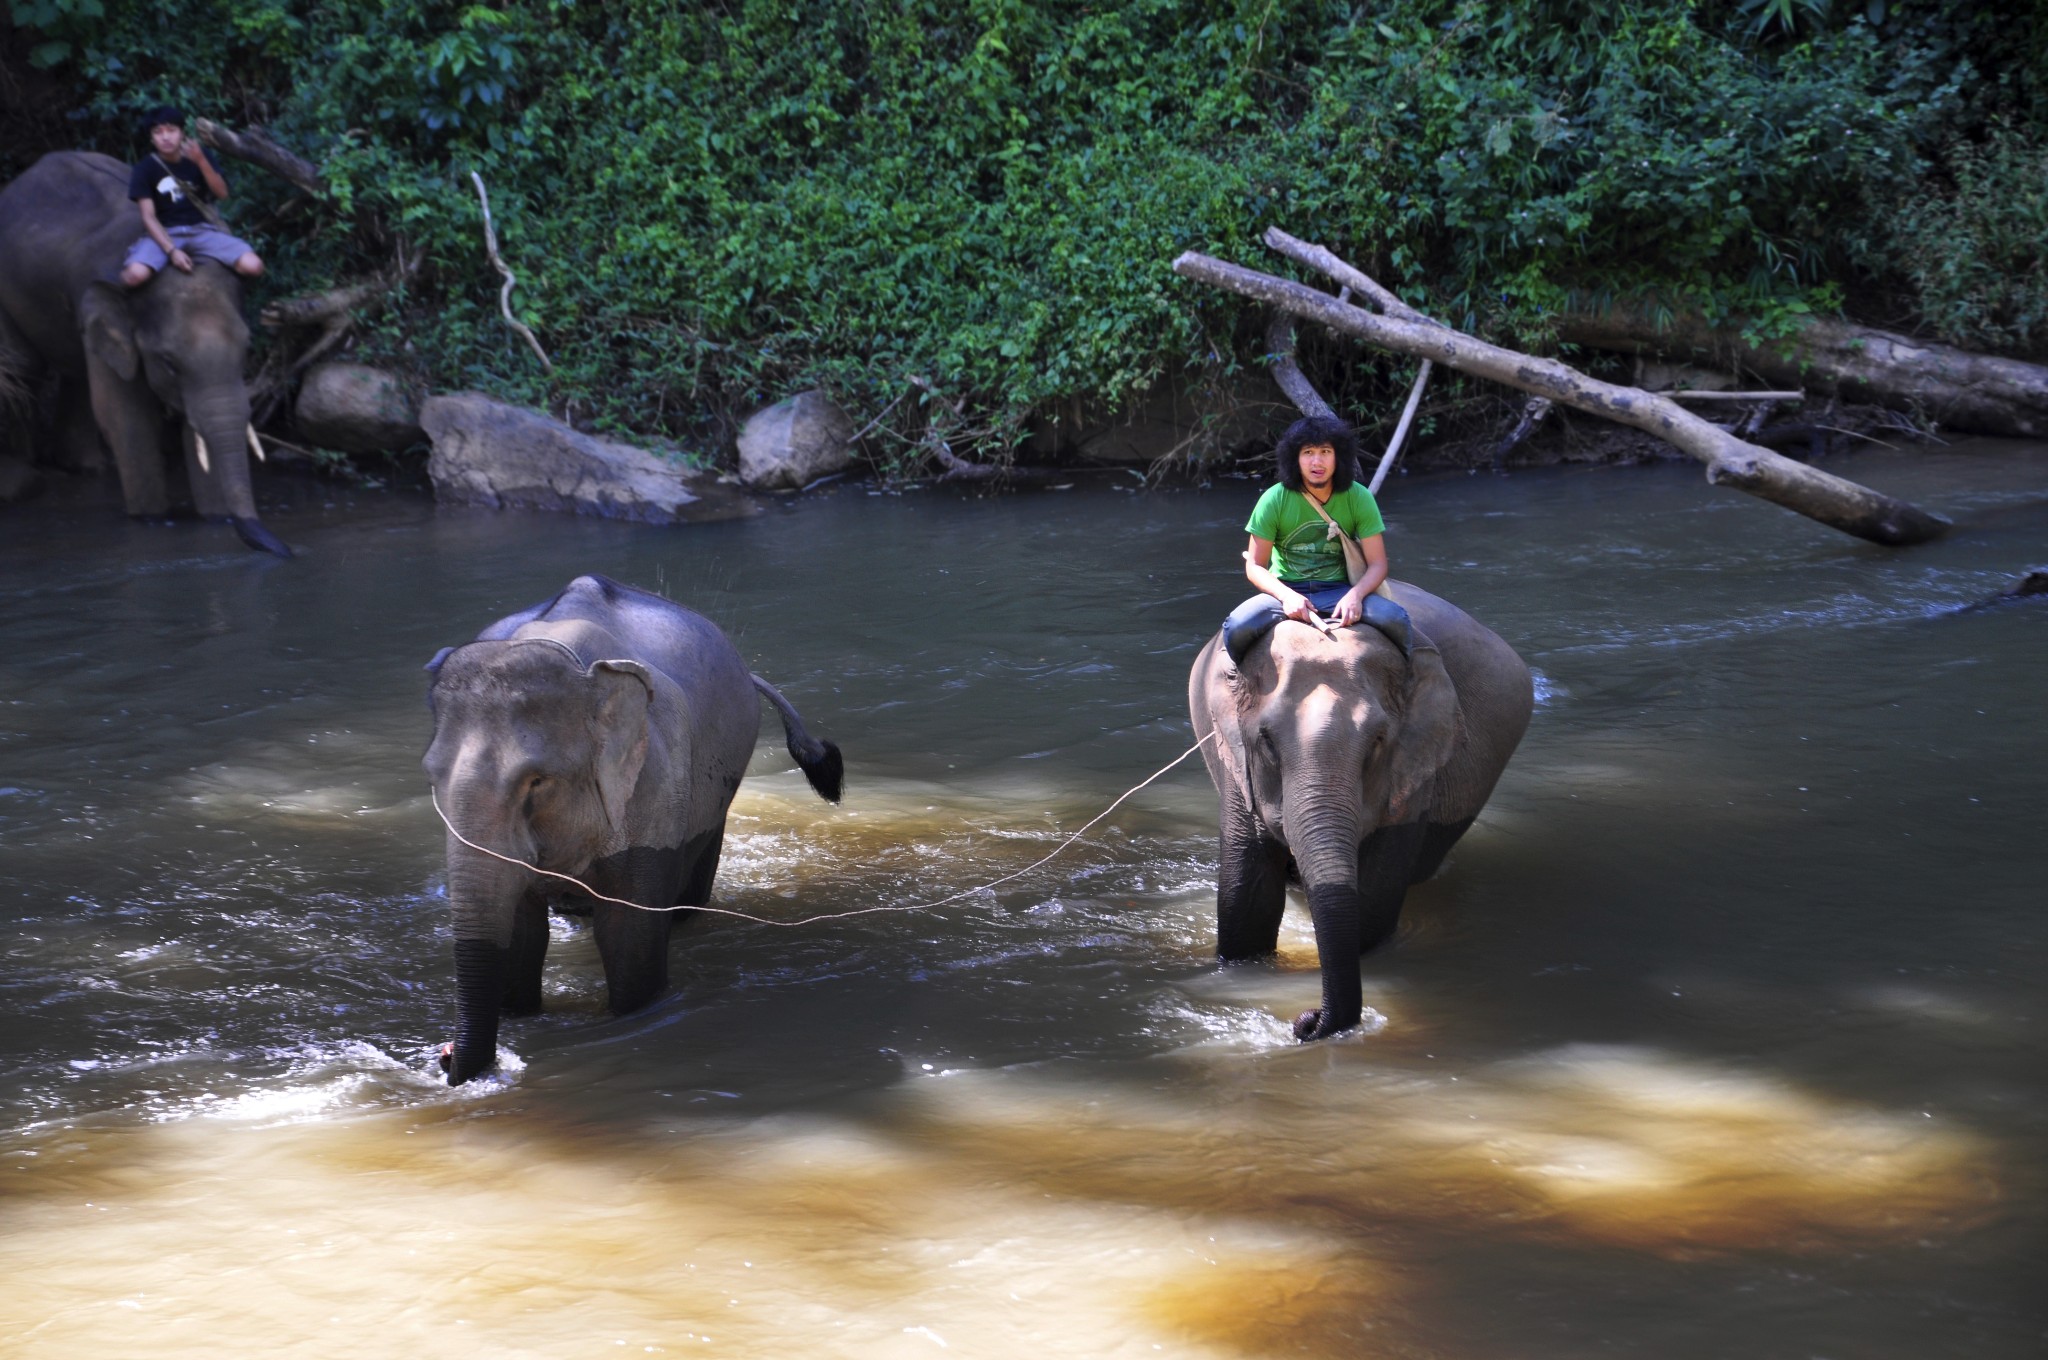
column 1295, row 557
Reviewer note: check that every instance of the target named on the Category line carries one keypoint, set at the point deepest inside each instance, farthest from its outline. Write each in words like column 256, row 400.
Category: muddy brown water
column 1719, row 1034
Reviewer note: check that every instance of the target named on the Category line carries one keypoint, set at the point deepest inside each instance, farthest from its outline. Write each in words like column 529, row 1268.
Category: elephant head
column 535, row 758
column 183, row 336
column 1329, row 753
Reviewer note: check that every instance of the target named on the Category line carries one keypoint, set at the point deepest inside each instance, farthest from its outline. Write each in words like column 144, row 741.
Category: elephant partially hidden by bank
column 1340, row 760
column 599, row 735
column 124, row 358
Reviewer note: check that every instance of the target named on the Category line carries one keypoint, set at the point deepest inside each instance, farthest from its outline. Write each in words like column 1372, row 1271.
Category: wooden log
column 320, row 308
column 1978, row 393
column 1286, row 372
column 254, row 146
column 1690, row 395
column 1393, row 453
column 1729, row 461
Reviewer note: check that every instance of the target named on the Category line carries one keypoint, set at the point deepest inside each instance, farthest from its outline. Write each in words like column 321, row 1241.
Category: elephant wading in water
column 599, row 735
column 1342, row 762
column 176, row 344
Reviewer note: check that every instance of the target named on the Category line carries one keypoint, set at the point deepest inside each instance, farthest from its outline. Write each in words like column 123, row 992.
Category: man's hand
column 189, row 150
column 180, row 261
column 1298, row 608
column 1349, row 610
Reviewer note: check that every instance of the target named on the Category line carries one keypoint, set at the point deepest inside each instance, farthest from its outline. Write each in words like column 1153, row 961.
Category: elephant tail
column 819, row 760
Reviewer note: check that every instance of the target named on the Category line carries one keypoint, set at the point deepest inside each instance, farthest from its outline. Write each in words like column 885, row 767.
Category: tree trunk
column 1977, row 393
column 1833, row 501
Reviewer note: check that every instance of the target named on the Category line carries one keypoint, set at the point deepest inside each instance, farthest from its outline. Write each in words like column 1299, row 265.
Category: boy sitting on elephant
column 1296, row 557
column 170, row 187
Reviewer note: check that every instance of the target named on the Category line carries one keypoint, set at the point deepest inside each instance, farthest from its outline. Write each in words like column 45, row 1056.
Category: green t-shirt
column 1302, row 547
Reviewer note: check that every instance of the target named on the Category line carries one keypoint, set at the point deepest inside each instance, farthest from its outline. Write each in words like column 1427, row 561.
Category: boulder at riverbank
column 507, row 457
column 795, row 442
column 356, row 409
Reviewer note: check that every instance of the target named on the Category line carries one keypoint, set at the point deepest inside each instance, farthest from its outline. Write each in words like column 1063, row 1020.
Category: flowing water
column 1719, row 1034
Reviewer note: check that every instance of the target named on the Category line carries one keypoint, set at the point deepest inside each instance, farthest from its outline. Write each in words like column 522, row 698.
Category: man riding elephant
column 172, row 187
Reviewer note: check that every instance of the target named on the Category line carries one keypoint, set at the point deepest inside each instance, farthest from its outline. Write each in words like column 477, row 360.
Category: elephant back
column 64, row 222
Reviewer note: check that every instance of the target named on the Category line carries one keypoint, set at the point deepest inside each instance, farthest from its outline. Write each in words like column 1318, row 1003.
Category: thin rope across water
column 831, row 915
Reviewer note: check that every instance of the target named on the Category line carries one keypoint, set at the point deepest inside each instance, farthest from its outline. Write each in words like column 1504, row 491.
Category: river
column 1719, row 1034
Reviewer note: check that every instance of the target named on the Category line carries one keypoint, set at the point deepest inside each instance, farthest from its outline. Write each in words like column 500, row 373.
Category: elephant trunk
column 1324, row 827
column 1335, row 909
column 485, row 895
column 480, row 967
column 220, row 416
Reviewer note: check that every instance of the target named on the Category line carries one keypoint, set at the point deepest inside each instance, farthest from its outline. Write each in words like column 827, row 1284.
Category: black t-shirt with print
column 172, row 188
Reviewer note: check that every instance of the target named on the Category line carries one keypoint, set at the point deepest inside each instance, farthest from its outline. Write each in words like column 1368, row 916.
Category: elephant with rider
column 1352, row 764
column 128, row 361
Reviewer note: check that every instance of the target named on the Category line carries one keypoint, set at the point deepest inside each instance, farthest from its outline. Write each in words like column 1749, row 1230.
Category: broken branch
column 1832, row 500
column 505, row 293
column 255, row 147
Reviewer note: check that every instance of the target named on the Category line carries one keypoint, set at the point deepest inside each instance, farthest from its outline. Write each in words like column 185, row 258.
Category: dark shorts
column 203, row 242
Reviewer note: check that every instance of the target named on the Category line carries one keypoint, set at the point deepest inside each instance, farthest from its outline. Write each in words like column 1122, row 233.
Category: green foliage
column 975, row 202
column 1970, row 243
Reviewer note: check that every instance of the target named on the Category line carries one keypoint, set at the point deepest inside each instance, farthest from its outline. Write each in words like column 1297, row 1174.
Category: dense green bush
column 708, row 206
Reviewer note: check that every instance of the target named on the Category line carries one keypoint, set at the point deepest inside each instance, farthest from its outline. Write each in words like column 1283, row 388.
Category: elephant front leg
column 1251, row 886
column 633, row 942
column 528, row 952
column 132, row 421
column 1386, row 866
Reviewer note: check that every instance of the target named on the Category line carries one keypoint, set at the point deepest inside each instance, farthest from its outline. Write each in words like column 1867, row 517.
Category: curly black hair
column 1317, row 430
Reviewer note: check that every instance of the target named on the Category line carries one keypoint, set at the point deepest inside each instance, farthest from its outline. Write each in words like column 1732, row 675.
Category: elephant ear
column 619, row 724
column 1429, row 730
column 108, row 329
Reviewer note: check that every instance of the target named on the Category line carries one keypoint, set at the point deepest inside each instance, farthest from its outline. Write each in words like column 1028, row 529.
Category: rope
column 827, row 916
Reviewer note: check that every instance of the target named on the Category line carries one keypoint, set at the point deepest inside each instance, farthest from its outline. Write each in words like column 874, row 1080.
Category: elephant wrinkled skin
column 125, row 357
column 600, row 735
column 1341, row 762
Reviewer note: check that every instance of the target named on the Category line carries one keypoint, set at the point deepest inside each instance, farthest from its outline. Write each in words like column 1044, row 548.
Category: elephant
column 1352, row 769
column 598, row 735
column 124, row 358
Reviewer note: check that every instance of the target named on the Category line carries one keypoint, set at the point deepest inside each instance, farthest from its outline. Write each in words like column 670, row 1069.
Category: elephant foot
column 448, row 1056
column 254, row 534
column 1311, row 1025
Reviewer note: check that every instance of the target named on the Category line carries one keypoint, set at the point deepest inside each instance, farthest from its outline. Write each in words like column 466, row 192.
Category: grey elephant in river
column 600, row 735
column 125, row 358
column 1342, row 761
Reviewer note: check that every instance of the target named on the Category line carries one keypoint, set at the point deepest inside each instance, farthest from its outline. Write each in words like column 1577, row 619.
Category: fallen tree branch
column 1393, row 453
column 1980, row 393
column 1533, row 413
column 321, row 308
column 255, row 147
column 1286, row 372
column 505, row 293
column 1729, row 461
column 1690, row 395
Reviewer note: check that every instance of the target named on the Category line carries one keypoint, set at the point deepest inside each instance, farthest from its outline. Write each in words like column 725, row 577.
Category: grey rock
column 489, row 453
column 795, row 442
column 357, row 409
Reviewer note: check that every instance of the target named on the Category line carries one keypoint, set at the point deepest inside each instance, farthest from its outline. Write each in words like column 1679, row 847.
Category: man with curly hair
column 1296, row 558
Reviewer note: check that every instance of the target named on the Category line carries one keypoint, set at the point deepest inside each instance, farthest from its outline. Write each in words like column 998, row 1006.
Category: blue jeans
column 1255, row 618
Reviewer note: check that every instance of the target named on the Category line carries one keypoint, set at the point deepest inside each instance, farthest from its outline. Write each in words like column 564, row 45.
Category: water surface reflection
column 1717, row 1032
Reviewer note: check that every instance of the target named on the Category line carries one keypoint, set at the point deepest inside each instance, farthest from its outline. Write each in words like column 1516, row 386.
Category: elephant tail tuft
column 819, row 760
column 827, row 773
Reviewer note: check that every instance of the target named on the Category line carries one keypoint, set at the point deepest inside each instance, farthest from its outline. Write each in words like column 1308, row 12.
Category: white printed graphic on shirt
column 169, row 187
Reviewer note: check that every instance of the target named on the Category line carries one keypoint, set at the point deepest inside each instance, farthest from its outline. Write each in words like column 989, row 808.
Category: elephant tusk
column 199, row 447
column 256, row 446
